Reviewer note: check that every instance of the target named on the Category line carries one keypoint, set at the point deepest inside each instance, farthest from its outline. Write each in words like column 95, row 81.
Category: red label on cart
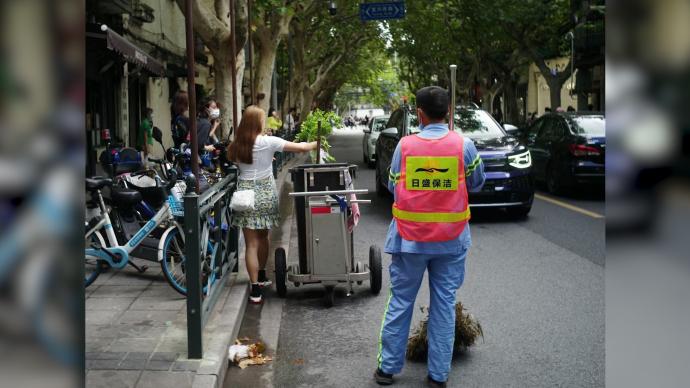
column 321, row 210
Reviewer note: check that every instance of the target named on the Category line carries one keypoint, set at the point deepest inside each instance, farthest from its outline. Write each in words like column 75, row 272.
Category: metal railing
column 212, row 204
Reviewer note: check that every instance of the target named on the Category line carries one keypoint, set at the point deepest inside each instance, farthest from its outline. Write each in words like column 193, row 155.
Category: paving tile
column 134, row 345
column 164, row 356
column 204, row 381
column 101, row 317
column 108, row 303
column 125, row 279
column 162, row 291
column 138, row 356
column 174, row 344
column 100, row 331
column 118, row 291
column 140, row 331
column 132, row 365
column 158, row 365
column 158, row 303
column 150, row 318
column 105, row 355
column 102, row 364
column 98, row 344
column 185, row 365
column 112, row 379
column 156, row 379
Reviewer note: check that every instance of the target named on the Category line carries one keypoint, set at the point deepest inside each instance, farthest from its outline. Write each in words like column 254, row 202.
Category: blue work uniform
column 445, row 262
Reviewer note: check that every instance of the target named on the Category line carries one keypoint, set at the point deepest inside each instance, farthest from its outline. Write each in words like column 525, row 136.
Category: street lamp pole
column 571, row 36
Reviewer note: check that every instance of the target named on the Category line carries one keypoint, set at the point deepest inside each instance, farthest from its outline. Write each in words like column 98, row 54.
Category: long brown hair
column 180, row 103
column 251, row 125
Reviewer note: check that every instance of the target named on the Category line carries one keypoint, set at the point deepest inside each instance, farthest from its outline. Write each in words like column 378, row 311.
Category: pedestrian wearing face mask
column 204, row 126
column 214, row 117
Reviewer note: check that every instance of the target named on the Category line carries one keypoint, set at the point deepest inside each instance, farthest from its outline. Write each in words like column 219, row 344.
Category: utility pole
column 252, row 92
column 233, row 63
column 191, row 89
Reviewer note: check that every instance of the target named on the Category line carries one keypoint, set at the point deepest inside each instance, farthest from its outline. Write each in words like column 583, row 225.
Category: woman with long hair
column 253, row 153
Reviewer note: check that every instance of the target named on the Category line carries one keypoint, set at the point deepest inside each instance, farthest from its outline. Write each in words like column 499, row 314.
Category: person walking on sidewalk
column 430, row 175
column 274, row 123
column 253, row 154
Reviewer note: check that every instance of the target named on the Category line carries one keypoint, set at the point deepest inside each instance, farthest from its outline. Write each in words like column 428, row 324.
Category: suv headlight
column 521, row 160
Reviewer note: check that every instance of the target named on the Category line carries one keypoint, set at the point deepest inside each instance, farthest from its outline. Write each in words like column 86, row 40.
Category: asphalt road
column 536, row 286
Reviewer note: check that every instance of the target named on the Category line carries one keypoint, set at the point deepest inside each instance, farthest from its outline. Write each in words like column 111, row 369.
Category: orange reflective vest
column 430, row 195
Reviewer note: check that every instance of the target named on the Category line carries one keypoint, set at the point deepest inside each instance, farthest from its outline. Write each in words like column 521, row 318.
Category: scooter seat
column 97, row 183
column 125, row 197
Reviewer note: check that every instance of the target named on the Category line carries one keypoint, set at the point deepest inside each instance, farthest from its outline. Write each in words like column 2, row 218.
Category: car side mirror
column 391, row 133
column 366, row 130
column 511, row 129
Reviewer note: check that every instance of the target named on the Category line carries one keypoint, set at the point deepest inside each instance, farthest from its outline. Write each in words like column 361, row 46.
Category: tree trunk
column 554, row 91
column 223, row 94
column 511, row 114
column 263, row 75
column 307, row 100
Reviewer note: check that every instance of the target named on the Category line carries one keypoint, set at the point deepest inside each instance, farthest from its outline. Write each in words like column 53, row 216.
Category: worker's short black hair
column 433, row 100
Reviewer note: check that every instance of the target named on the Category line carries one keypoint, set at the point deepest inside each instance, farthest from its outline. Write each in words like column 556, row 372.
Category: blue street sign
column 382, row 11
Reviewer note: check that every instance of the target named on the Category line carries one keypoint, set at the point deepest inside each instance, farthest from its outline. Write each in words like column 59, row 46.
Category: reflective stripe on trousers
column 446, row 274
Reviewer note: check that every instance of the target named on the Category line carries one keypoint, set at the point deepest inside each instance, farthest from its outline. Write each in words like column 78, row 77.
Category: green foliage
column 310, row 127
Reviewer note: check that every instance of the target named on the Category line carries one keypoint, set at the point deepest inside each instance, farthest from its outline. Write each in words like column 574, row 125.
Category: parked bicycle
column 163, row 234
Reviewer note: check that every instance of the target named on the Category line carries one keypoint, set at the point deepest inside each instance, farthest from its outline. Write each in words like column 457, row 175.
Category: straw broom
column 467, row 331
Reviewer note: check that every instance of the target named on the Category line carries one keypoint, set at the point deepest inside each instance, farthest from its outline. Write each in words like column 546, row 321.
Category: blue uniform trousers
column 446, row 274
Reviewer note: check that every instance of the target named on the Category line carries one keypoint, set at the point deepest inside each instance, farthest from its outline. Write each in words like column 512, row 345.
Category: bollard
column 193, row 276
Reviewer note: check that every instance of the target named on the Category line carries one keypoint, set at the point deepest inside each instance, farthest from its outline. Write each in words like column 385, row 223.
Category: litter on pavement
column 244, row 355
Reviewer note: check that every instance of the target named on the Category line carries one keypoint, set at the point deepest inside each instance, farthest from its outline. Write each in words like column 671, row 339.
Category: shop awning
column 133, row 54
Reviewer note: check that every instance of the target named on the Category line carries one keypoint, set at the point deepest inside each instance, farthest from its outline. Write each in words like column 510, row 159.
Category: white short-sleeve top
column 262, row 166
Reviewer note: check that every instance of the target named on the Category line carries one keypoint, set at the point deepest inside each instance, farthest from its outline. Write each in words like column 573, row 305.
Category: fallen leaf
column 299, row 361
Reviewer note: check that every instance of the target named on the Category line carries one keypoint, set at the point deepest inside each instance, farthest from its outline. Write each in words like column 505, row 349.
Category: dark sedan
column 507, row 163
column 568, row 150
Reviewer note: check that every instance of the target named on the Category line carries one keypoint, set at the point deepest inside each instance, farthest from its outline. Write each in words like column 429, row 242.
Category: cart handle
column 365, row 201
column 334, row 192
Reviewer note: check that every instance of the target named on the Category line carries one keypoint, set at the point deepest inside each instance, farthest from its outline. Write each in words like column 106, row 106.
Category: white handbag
column 242, row 200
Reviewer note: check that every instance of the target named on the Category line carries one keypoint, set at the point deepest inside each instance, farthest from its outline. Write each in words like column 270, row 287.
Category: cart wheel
column 330, row 296
column 375, row 269
column 297, row 284
column 281, row 272
column 359, row 268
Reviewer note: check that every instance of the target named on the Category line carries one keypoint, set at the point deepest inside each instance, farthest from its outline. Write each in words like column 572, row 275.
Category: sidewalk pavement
column 136, row 333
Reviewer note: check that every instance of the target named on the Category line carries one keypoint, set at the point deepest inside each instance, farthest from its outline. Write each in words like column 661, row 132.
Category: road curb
column 224, row 326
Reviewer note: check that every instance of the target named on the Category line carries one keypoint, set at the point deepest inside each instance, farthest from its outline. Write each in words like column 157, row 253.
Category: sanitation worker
column 430, row 175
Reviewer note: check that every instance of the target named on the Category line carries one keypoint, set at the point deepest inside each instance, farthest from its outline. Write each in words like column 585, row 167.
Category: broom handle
column 318, row 143
column 451, row 119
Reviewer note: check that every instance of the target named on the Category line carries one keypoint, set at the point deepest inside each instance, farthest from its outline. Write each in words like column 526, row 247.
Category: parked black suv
column 507, row 163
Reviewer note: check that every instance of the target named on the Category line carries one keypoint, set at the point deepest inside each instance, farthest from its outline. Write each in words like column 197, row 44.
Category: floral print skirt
column 266, row 213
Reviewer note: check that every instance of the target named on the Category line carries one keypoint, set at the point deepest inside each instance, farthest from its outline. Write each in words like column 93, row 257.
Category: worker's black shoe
column 435, row 384
column 263, row 279
column 383, row 378
column 255, row 294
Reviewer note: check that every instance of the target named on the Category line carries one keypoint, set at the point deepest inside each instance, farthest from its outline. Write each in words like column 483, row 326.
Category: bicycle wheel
column 92, row 266
column 174, row 262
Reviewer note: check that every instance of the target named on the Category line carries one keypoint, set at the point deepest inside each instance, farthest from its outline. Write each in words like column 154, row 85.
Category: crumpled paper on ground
column 245, row 355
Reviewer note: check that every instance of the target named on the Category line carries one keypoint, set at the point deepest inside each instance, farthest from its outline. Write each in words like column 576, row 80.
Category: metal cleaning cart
column 326, row 251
